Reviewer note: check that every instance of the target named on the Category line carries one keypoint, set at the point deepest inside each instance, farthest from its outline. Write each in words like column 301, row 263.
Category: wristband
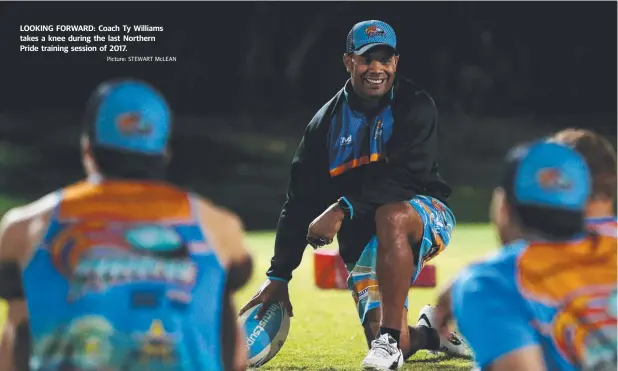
column 346, row 207
column 277, row 279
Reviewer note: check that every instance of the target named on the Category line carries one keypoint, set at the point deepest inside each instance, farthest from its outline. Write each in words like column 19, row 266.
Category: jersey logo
column 156, row 345
column 96, row 256
column 93, row 343
column 344, row 141
column 378, row 130
column 88, row 339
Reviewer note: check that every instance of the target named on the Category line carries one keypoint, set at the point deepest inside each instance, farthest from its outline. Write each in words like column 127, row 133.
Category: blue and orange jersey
column 125, row 279
column 560, row 296
column 355, row 140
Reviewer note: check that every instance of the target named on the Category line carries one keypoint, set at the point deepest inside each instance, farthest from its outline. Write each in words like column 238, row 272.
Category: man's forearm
column 290, row 241
column 288, row 256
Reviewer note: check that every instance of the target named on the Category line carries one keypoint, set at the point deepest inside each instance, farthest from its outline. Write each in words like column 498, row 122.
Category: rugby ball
column 264, row 337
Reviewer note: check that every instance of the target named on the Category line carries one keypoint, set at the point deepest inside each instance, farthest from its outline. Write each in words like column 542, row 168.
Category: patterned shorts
column 438, row 221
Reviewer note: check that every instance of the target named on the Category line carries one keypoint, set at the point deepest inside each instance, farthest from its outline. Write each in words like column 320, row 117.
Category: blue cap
column 129, row 115
column 368, row 34
column 547, row 175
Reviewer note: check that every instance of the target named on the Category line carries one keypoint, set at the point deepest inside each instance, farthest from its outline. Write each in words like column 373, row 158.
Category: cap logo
column 131, row 123
column 372, row 31
column 553, row 179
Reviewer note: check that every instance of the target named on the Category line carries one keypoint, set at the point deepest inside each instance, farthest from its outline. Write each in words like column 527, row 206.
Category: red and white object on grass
column 330, row 272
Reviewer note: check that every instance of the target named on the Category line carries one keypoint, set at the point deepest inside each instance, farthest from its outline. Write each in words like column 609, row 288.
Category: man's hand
column 444, row 311
column 323, row 229
column 270, row 292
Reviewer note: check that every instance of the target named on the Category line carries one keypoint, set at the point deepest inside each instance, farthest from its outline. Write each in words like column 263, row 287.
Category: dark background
column 250, row 75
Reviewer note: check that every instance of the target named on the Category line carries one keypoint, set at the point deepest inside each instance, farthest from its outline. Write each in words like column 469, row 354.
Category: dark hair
column 550, row 223
column 125, row 165
column 598, row 153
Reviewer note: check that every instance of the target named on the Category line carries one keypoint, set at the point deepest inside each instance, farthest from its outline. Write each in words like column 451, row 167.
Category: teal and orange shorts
column 439, row 223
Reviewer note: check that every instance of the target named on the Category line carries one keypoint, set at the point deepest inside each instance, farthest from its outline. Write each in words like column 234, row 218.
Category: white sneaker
column 383, row 355
column 454, row 345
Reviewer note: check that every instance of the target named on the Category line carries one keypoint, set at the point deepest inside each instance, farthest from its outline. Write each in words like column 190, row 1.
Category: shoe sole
column 394, row 366
column 425, row 318
column 375, row 368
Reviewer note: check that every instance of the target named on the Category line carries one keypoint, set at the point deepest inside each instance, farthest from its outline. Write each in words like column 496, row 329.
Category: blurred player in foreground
column 600, row 157
column 122, row 271
column 547, row 301
column 366, row 172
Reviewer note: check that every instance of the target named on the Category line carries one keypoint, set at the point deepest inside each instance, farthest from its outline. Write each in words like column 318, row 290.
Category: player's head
column 543, row 193
column 127, row 126
column 371, row 58
column 600, row 157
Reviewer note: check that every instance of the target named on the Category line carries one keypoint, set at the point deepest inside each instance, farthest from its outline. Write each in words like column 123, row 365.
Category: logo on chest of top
column 345, row 141
column 379, row 130
column 96, row 256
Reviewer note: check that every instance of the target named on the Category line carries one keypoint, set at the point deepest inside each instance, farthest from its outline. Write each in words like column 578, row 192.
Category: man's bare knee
column 393, row 215
column 398, row 217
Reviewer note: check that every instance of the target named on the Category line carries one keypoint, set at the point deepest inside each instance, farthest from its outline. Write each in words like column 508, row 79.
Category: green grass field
column 325, row 333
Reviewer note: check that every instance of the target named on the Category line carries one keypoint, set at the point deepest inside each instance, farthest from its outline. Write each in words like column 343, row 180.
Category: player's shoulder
column 495, row 271
column 211, row 212
column 23, row 214
column 224, row 229
column 502, row 257
column 22, row 226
